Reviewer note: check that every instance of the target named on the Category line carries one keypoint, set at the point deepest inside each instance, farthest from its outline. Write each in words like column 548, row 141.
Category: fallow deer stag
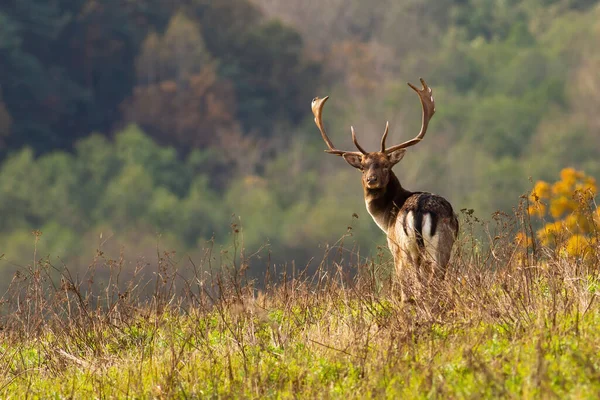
column 421, row 227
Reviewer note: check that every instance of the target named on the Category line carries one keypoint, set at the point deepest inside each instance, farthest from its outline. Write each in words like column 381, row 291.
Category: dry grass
column 505, row 322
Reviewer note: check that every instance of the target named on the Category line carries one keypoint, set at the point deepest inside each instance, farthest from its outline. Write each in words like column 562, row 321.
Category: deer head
column 376, row 166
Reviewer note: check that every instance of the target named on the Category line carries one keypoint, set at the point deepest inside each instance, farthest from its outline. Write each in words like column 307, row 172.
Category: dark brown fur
column 421, row 227
column 393, row 208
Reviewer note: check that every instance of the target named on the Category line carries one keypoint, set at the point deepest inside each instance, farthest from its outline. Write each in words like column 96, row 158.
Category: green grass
column 336, row 347
column 502, row 324
column 187, row 357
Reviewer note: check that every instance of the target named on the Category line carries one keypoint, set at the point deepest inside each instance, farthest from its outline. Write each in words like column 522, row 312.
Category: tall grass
column 506, row 321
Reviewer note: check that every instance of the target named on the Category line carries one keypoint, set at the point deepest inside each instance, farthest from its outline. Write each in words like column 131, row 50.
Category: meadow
column 508, row 321
column 142, row 144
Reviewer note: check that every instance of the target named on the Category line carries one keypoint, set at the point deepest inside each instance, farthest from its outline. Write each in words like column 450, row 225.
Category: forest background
column 128, row 126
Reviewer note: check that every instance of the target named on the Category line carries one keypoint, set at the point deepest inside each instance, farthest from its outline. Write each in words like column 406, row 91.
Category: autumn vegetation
column 508, row 321
column 162, row 122
column 170, row 226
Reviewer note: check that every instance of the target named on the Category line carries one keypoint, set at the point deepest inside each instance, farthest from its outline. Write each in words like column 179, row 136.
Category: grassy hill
column 506, row 322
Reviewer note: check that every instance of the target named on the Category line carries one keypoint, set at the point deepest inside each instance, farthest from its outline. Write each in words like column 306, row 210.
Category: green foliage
column 254, row 201
column 68, row 68
column 128, row 183
column 133, row 147
column 17, row 185
column 147, row 118
column 271, row 77
column 131, row 184
column 501, row 124
column 490, row 19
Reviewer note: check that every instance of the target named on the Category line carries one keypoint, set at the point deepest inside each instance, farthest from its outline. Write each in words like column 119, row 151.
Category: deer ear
column 396, row 156
column 353, row 159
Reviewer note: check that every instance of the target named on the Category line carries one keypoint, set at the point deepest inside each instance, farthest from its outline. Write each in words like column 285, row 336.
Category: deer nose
column 371, row 179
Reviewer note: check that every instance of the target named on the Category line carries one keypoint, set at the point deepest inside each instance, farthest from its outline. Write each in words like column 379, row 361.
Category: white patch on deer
column 406, row 236
column 409, row 221
column 380, row 223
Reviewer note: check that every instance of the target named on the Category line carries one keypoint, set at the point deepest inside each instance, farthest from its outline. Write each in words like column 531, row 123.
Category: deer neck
column 383, row 204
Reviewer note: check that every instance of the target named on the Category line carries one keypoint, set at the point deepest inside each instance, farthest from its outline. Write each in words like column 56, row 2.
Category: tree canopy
column 133, row 121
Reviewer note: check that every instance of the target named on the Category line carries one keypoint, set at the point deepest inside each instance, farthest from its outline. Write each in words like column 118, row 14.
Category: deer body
column 421, row 227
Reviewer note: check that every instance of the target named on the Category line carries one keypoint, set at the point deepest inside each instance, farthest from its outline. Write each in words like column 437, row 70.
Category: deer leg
column 400, row 269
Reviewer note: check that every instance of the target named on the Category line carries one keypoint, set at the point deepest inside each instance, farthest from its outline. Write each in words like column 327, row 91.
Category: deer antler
column 428, row 104
column 317, row 109
column 363, row 151
column 387, row 128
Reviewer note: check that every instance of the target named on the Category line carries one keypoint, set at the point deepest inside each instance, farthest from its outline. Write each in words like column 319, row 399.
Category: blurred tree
column 164, row 210
column 200, row 218
column 104, row 40
column 354, row 64
column 455, row 65
column 186, row 115
column 52, row 200
column 224, row 25
column 66, row 65
column 127, row 198
column 584, row 88
column 323, row 22
column 504, row 183
column 179, row 98
column 5, row 124
column 489, row 19
column 295, row 165
column 37, row 95
column 96, row 163
column 272, row 78
column 264, row 60
column 18, row 183
column 212, row 163
column 585, row 91
column 177, row 54
column 325, row 216
column 220, row 93
column 133, row 147
column 558, row 141
column 502, row 125
column 250, row 198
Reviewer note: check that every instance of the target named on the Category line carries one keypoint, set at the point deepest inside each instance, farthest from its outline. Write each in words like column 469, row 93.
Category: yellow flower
column 578, row 246
column 577, row 223
column 537, row 209
column 541, row 190
column 562, row 188
column 550, row 232
column 589, row 185
column 523, row 240
column 568, row 202
column 568, row 175
column 561, row 205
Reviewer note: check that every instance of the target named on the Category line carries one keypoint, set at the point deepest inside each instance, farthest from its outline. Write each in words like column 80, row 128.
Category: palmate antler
column 317, row 109
column 427, row 103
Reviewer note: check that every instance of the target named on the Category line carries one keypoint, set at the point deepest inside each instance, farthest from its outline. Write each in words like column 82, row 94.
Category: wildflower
column 560, row 205
column 550, row 232
column 578, row 246
column 541, row 190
